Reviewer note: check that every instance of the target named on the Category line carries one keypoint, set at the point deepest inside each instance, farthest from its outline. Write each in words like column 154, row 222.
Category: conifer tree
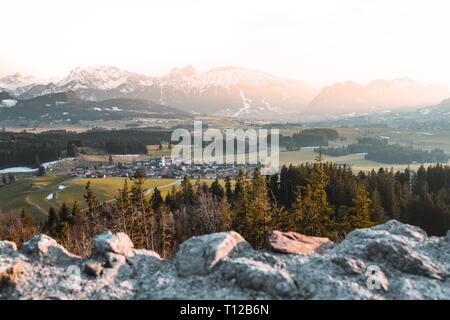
column 378, row 212
column 64, row 213
column 216, row 189
column 26, row 219
column 187, row 191
column 259, row 213
column 90, row 198
column 315, row 212
column 156, row 200
column 137, row 189
column 361, row 210
column 240, row 217
column 239, row 185
column 76, row 215
column 228, row 189
column 52, row 221
column 124, row 196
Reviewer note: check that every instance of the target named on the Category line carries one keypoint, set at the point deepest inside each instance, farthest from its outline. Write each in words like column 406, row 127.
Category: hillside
column 68, row 106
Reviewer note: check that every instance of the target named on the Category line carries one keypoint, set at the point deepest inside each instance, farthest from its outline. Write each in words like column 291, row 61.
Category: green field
column 425, row 140
column 31, row 193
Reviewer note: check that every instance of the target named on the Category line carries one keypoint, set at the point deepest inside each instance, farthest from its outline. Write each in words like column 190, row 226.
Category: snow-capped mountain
column 17, row 80
column 102, row 78
column 228, row 91
column 234, row 91
column 17, row 84
column 377, row 96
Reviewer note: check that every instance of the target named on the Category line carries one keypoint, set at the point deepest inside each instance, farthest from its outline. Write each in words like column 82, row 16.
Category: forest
column 28, row 149
column 316, row 137
column 320, row 199
column 380, row 151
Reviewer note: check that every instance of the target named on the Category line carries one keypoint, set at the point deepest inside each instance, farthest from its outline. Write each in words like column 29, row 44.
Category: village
column 164, row 167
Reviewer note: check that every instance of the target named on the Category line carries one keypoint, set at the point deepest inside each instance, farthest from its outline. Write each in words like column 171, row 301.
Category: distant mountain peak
column 183, row 72
column 378, row 95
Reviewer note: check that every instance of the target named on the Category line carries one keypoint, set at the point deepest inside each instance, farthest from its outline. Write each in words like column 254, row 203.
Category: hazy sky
column 318, row 42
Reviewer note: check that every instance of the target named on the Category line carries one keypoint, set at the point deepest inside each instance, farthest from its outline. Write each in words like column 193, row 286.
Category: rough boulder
column 292, row 242
column 389, row 261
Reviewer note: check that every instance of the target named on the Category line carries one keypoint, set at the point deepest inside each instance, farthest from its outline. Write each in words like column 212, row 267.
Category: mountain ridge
column 235, row 91
column 378, row 95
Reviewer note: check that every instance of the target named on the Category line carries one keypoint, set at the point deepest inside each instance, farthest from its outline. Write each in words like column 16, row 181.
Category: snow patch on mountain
column 8, row 103
column 104, row 78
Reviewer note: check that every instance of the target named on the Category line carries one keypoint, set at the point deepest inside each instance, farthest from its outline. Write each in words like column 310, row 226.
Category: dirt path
column 31, row 203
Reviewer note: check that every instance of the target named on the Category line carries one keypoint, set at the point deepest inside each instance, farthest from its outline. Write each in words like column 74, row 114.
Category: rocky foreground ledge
column 389, row 261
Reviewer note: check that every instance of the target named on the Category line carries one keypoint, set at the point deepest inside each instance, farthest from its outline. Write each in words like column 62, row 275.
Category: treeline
column 8, row 179
column 309, row 138
column 380, row 151
column 318, row 200
column 30, row 149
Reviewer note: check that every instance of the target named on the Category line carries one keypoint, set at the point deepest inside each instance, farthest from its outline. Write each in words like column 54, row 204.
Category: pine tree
column 228, row 190
column 378, row 212
column 187, row 191
column 26, row 219
column 361, row 210
column 61, row 230
column 76, row 215
column 259, row 213
column 272, row 188
column 52, row 221
column 64, row 213
column 137, row 189
column 90, row 198
column 141, row 205
column 239, row 185
column 314, row 211
column 156, row 200
column 240, row 216
column 11, row 178
column 216, row 189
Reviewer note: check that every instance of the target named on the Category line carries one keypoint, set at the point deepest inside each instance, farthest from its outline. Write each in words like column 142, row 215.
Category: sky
column 318, row 42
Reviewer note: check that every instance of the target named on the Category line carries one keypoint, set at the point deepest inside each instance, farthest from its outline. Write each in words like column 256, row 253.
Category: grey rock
column 350, row 265
column 93, row 269
column 114, row 260
column 9, row 273
column 199, row 255
column 145, row 261
column 48, row 251
column 292, row 242
column 403, row 258
column 7, row 247
column 259, row 276
column 390, row 261
column 118, row 243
